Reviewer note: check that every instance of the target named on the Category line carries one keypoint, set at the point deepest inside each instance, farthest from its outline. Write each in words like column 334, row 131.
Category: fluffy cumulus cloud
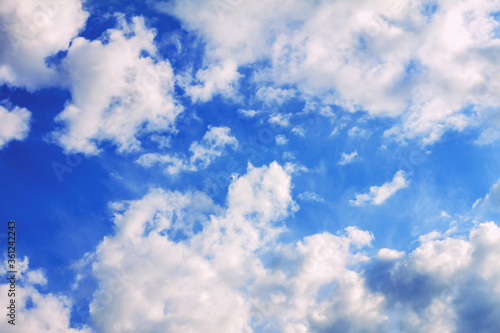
column 14, row 124
column 218, row 79
column 379, row 194
column 120, row 90
column 191, row 285
column 35, row 311
column 429, row 64
column 281, row 140
column 203, row 153
column 231, row 274
column 447, row 284
column 280, row 119
column 32, row 31
column 177, row 262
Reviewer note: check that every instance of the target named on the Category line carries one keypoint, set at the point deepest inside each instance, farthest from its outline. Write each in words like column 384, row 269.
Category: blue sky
column 252, row 166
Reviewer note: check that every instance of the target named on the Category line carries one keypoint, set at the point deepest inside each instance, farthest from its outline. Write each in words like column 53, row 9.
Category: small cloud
column 295, row 168
column 323, row 110
column 248, row 113
column 299, row 130
column 281, row 139
column 342, row 123
column 310, row 196
column 335, row 131
column 444, row 214
column 379, row 194
column 288, row 155
column 488, row 136
column 161, row 140
column 211, row 146
column 349, row 158
column 270, row 95
column 389, row 255
column 359, row 132
column 327, row 111
column 14, row 124
column 279, row 119
column 429, row 237
column 203, row 153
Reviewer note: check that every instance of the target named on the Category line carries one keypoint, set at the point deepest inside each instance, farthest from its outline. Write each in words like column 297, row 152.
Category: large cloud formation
column 32, row 31
column 120, row 90
column 430, row 64
column 35, row 311
column 179, row 263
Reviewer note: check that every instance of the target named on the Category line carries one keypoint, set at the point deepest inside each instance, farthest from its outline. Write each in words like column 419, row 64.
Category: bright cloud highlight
column 379, row 194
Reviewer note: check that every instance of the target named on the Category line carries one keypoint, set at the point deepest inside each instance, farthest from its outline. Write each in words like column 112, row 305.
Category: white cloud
column 390, row 59
column 272, row 95
column 203, row 153
column 31, row 31
column 35, row 311
column 196, row 286
column 389, row 254
column 279, row 119
column 444, row 214
column 310, row 196
column 174, row 164
column 235, row 275
column 119, row 91
column 439, row 286
column 288, row 155
column 220, row 279
column 491, row 201
column 14, row 124
column 248, row 113
column 161, row 140
column 349, row 158
column 299, row 131
column 379, row 194
column 433, row 257
column 211, row 146
column 355, row 131
column 218, row 79
column 281, row 139
column 487, row 136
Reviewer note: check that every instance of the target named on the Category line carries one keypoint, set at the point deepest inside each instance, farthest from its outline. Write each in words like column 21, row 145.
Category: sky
column 251, row 166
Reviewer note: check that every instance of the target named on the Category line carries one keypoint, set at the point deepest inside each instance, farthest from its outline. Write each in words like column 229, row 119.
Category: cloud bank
column 429, row 65
column 198, row 266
